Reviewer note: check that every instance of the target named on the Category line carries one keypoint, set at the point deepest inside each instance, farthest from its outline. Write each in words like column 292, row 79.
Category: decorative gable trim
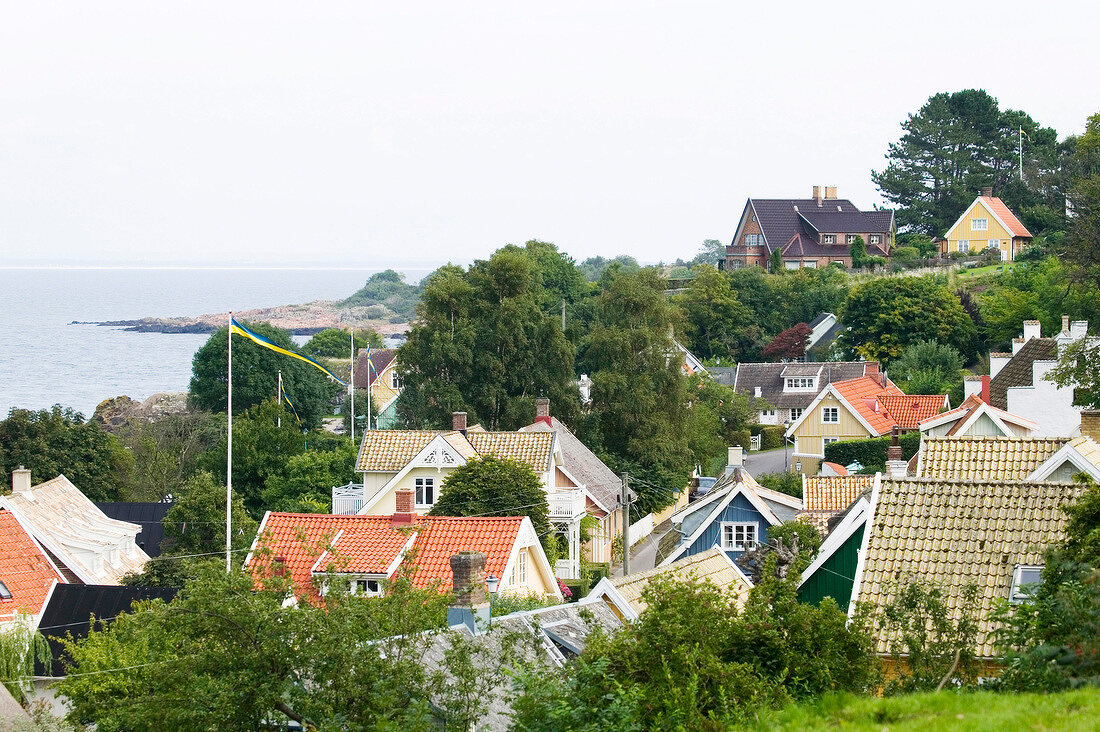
column 1068, row 453
column 526, row 538
column 738, row 489
column 438, row 453
column 861, row 561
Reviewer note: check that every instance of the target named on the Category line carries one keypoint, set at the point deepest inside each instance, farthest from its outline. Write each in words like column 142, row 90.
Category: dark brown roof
column 380, row 358
column 769, row 377
column 1018, row 371
column 780, row 222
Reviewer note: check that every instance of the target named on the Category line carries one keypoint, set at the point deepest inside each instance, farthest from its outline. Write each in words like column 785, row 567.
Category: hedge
column 771, row 436
column 872, row 451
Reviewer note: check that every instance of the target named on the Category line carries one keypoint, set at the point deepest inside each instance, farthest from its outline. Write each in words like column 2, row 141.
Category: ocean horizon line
column 200, row 268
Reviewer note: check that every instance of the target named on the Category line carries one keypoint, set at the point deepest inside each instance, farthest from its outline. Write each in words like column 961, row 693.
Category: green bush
column 789, row 483
column 958, row 255
column 905, row 253
column 771, row 436
column 872, row 451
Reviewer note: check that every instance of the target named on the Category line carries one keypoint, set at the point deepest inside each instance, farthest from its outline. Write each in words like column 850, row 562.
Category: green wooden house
column 833, row 571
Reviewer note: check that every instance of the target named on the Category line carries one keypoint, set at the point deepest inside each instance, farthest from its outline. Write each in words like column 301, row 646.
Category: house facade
column 376, row 374
column 787, row 389
column 976, row 417
column 987, row 223
column 808, row 232
column 833, row 570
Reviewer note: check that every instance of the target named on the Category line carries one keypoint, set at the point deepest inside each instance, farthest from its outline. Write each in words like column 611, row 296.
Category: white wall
column 1046, row 404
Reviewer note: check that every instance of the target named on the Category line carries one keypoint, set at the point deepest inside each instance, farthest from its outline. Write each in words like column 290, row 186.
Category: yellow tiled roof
column 954, row 533
column 825, row 496
column 391, row 449
column 532, row 448
column 1088, row 449
column 709, row 566
column 985, row 458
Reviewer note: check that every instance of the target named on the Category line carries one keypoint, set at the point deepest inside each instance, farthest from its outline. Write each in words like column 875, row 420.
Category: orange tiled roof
column 863, row 395
column 24, row 569
column 998, row 207
column 370, row 545
column 826, row 496
column 910, row 411
column 837, row 467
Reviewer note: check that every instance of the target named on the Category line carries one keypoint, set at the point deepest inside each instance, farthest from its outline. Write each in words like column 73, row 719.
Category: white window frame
column 521, row 563
column 730, row 542
column 1016, row 593
column 361, row 587
column 395, row 379
column 964, row 246
column 767, row 412
column 852, row 239
column 826, row 441
column 800, row 383
column 423, row 485
column 828, row 239
column 796, row 412
column 873, row 238
column 826, row 411
column 753, row 240
column 979, row 224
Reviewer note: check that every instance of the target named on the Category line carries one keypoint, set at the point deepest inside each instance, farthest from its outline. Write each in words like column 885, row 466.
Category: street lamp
column 786, row 442
column 492, row 582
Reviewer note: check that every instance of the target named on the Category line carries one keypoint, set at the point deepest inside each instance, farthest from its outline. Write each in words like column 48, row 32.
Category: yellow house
column 987, row 223
column 376, row 372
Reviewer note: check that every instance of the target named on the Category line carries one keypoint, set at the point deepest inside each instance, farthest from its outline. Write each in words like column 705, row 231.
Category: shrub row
column 771, row 436
column 872, row 451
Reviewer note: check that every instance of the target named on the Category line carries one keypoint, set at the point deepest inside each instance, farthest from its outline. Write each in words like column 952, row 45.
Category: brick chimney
column 471, row 602
column 405, row 512
column 20, row 480
column 817, row 194
column 987, row 191
column 830, row 193
column 458, row 422
column 985, row 388
column 542, row 410
column 1090, row 423
column 1065, row 324
column 895, row 466
column 870, row 367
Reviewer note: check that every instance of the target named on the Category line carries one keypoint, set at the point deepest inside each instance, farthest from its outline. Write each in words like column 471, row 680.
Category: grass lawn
column 976, row 272
column 1071, row 710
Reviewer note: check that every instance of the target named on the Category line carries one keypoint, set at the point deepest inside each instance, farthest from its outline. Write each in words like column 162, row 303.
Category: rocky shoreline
column 305, row 319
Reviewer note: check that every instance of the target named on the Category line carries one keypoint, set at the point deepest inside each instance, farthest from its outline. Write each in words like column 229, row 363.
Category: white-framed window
column 796, row 412
column 995, row 243
column 395, row 380
column 875, row 238
column 767, row 412
column 828, row 238
column 366, row 587
column 738, row 537
column 828, row 440
column 518, row 575
column 964, row 245
column 791, row 264
column 425, row 491
column 1024, row 580
column 979, row 224
column 852, row 239
column 753, row 240
column 830, row 415
column 801, row 382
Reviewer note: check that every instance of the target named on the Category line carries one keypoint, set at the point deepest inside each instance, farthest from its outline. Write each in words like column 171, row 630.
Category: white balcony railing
column 566, row 504
column 347, row 499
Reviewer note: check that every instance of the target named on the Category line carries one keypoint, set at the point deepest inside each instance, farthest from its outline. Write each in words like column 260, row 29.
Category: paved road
column 772, row 461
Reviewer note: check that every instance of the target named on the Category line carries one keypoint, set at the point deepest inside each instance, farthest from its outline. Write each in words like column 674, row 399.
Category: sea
column 46, row 359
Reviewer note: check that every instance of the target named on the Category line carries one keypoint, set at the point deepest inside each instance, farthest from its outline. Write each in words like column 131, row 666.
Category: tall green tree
column 256, row 376
column 953, row 146
column 639, row 411
column 483, row 343
column 715, row 318
column 886, row 315
column 928, row 367
column 304, row 485
column 59, row 441
column 168, row 450
column 336, row 342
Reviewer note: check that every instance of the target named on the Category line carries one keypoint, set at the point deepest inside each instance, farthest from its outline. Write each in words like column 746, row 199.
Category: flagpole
column 229, row 457
column 279, row 400
column 352, row 392
column 370, row 389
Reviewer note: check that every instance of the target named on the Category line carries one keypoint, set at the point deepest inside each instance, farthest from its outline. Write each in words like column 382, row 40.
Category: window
column 994, row 243
column 828, row 238
column 425, row 491
column 738, row 537
column 767, row 412
column 964, row 245
column 753, row 240
column 852, row 239
column 395, row 380
column 800, row 382
column 5, row 593
column 518, row 575
column 790, row 264
column 875, row 238
column 1024, row 580
column 979, row 224
column 366, row 587
column 830, row 415
column 825, row 441
column 796, row 412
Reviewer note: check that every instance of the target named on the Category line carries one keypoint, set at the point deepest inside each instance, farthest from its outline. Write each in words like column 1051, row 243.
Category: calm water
column 44, row 360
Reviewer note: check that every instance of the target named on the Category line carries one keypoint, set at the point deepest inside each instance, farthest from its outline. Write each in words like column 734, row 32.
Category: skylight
column 1025, row 579
column 5, row 593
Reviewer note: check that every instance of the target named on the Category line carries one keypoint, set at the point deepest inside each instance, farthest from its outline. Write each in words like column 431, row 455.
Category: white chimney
column 972, row 385
column 1017, row 344
column 735, row 457
column 1078, row 329
column 897, row 468
column 757, row 392
column 20, row 480
column 1031, row 330
column 997, row 362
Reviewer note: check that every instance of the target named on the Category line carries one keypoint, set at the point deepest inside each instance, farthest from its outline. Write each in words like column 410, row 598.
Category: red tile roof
column 370, row 544
column 1002, row 211
column 24, row 570
column 910, row 411
column 863, row 395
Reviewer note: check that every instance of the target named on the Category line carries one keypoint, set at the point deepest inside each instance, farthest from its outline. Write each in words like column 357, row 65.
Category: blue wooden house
column 734, row 516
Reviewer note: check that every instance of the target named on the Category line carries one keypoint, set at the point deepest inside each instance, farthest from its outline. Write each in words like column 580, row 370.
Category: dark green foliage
column 775, row 262
column 492, row 486
column 256, row 376
column 927, row 367
column 715, row 318
column 196, row 522
column 304, row 484
column 717, row 417
column 789, row 483
column 387, row 289
column 336, row 342
column 931, row 643
column 857, row 250
column 871, row 452
column 483, row 343
column 921, row 242
column 60, row 442
column 886, row 315
column 711, row 252
column 771, row 436
column 594, row 268
column 905, row 253
column 168, row 450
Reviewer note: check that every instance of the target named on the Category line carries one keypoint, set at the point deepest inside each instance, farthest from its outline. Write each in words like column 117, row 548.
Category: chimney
column 279, row 569
column 458, row 422
column 987, row 191
column 895, row 466
column 542, row 410
column 997, row 362
column 1065, row 324
column 1017, row 344
column 756, row 392
column 830, row 193
column 972, row 386
column 870, row 367
column 20, row 480
column 817, row 194
column 405, row 512
column 1031, row 330
column 470, row 606
column 735, row 457
column 1078, row 329
column 1090, row 423
column 985, row 389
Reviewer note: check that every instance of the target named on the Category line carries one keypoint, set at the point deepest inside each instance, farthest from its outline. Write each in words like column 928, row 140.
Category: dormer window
column 1025, row 578
column 366, row 587
column 800, row 383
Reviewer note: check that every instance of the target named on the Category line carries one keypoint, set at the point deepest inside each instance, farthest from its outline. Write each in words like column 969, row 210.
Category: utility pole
column 626, row 524
column 563, row 315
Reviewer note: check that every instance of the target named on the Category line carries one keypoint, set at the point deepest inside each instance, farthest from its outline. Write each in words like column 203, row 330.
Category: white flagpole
column 351, row 389
column 229, row 458
column 279, row 400
column 370, row 389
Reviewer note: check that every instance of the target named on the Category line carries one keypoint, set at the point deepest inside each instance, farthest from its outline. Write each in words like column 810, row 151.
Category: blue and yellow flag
column 290, row 404
column 258, row 339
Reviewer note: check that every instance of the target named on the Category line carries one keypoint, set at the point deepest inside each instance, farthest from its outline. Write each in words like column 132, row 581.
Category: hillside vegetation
column 388, row 295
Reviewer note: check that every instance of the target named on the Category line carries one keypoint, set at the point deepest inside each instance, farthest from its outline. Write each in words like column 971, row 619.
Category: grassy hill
column 1072, row 710
column 388, row 294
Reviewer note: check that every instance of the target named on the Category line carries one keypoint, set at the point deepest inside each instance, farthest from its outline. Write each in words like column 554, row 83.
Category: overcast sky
column 377, row 134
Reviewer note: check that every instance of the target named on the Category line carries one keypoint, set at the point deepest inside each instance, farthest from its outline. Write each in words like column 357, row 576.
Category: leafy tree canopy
column 715, row 318
column 336, row 342
column 305, row 482
column 789, row 344
column 594, row 268
column 927, row 367
column 387, row 288
column 256, row 376
column 168, row 450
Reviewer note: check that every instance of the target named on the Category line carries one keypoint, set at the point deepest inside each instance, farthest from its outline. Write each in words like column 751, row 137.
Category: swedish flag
column 258, row 339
